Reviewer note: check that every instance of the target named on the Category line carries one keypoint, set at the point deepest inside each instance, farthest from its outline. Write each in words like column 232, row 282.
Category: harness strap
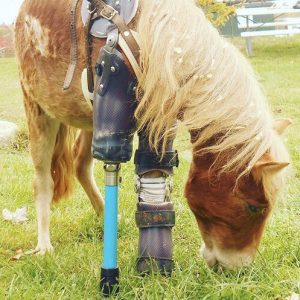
column 109, row 13
column 88, row 51
column 73, row 50
column 127, row 51
column 102, row 10
column 150, row 219
column 128, row 36
column 151, row 160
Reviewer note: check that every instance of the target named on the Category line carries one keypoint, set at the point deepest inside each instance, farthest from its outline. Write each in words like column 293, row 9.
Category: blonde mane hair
column 191, row 73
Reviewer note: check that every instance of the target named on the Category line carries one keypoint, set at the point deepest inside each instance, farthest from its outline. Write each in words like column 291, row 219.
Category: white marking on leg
column 43, row 132
column 44, row 193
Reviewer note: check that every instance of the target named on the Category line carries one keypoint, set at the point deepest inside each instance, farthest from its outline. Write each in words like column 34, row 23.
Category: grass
column 72, row 272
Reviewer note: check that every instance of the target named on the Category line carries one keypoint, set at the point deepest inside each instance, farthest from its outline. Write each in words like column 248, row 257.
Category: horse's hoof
column 99, row 211
column 99, row 208
column 44, row 249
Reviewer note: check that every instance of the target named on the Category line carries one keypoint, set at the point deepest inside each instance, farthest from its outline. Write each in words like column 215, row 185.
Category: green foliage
column 218, row 13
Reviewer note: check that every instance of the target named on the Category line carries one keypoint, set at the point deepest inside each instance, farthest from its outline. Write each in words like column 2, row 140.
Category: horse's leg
column 42, row 132
column 84, row 169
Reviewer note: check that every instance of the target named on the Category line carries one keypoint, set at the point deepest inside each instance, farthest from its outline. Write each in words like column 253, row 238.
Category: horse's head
column 231, row 214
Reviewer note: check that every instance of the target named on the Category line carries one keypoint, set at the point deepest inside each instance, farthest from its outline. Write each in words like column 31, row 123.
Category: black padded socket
column 146, row 159
column 114, row 106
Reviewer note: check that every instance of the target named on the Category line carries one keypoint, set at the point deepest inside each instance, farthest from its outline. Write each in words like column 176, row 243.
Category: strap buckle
column 108, row 12
column 137, row 184
column 90, row 10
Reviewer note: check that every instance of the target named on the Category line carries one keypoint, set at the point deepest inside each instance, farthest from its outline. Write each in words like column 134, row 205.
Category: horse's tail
column 62, row 168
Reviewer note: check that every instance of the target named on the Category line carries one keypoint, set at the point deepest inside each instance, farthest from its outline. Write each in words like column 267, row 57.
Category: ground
column 72, row 272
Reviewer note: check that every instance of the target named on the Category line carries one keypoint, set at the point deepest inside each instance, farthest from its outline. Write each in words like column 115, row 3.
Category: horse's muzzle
column 228, row 259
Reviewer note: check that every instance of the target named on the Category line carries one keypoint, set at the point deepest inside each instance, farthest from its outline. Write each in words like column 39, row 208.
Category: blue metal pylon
column 109, row 283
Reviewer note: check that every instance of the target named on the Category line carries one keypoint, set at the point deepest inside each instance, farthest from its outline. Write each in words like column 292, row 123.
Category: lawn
column 72, row 272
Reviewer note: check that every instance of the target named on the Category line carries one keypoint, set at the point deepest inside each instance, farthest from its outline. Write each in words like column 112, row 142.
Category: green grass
column 73, row 270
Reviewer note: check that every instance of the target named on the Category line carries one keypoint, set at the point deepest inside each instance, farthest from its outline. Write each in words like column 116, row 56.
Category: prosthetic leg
column 114, row 126
column 155, row 216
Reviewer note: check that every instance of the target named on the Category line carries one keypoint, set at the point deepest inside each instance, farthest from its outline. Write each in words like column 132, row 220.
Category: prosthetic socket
column 114, row 105
column 155, row 216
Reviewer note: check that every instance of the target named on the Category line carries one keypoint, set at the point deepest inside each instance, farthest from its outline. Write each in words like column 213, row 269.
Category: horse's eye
column 254, row 209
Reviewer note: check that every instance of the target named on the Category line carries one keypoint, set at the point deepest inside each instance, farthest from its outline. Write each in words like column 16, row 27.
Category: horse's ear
column 280, row 125
column 267, row 164
column 272, row 166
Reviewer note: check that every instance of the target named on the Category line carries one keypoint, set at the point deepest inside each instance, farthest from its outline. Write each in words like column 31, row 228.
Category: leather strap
column 88, row 51
column 150, row 219
column 152, row 160
column 108, row 12
column 127, row 36
column 127, row 51
column 73, row 50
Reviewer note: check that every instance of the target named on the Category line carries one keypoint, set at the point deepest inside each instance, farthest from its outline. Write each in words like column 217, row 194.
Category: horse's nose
column 208, row 256
column 221, row 259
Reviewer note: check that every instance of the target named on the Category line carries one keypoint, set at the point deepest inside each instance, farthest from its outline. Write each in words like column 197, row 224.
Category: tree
column 217, row 12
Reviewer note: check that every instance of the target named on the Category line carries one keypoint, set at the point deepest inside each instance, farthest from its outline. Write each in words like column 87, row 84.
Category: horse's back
column 43, row 50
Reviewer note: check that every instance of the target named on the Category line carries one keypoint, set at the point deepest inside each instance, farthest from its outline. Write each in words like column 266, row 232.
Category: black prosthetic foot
column 109, row 283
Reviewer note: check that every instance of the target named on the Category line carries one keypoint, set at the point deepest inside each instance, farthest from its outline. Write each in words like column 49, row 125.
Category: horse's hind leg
column 84, row 169
column 42, row 134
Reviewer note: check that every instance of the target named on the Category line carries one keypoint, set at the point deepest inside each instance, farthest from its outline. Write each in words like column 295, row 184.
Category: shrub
column 218, row 13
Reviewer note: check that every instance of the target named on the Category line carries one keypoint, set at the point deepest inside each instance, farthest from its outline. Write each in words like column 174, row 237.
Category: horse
column 190, row 74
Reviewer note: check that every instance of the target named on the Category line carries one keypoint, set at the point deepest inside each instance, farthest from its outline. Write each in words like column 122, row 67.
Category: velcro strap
column 150, row 159
column 161, row 218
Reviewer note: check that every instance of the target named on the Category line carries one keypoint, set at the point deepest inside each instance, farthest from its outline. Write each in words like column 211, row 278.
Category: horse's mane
column 192, row 74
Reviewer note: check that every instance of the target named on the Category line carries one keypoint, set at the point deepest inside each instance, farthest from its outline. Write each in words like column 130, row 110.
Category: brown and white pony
column 190, row 73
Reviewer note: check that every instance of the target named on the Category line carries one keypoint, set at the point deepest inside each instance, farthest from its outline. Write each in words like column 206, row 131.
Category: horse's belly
column 43, row 47
column 68, row 106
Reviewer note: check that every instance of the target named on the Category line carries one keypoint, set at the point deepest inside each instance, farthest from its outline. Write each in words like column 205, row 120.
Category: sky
column 9, row 10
